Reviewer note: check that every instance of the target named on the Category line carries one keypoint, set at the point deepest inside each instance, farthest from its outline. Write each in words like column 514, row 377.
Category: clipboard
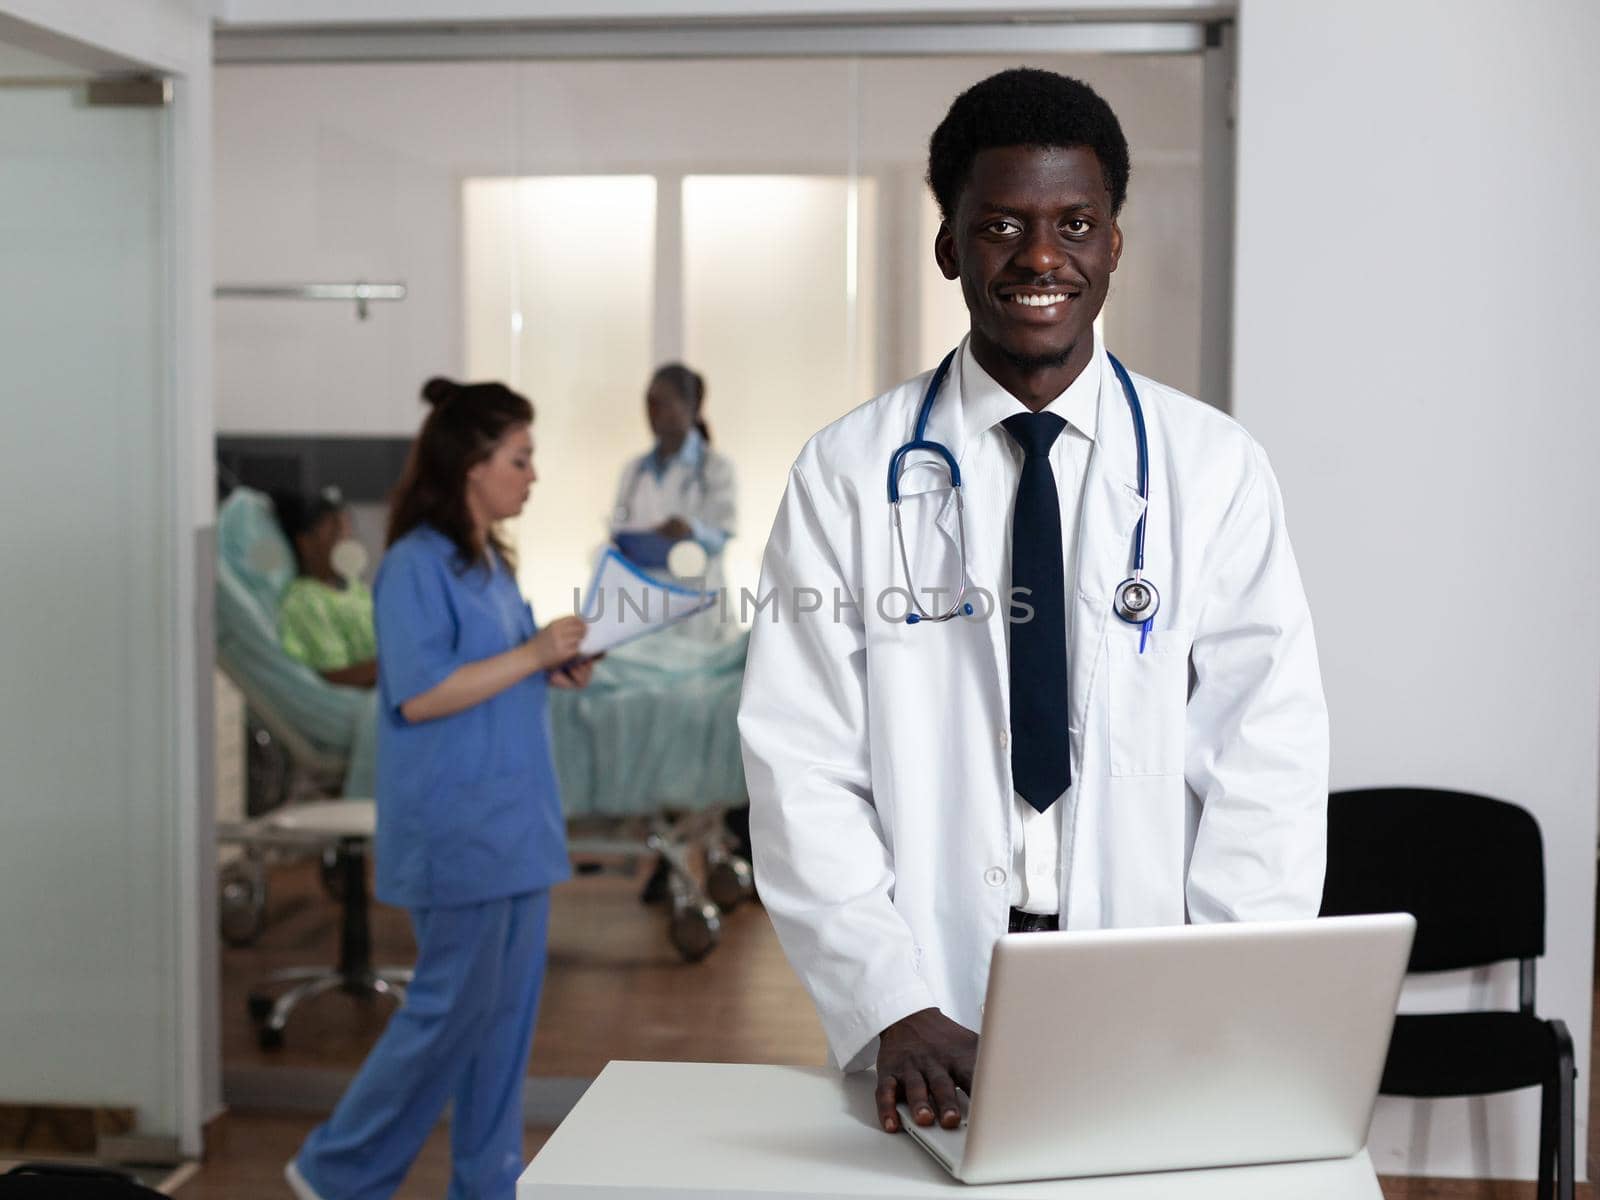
column 624, row 603
column 644, row 548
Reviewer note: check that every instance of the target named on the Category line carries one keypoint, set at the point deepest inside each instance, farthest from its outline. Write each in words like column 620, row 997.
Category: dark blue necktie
column 1040, row 762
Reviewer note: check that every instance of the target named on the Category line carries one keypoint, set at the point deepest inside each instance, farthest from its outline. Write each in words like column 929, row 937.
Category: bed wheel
column 695, row 930
column 241, row 902
column 730, row 882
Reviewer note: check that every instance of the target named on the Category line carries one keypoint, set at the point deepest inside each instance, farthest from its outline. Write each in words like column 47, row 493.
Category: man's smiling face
column 1034, row 241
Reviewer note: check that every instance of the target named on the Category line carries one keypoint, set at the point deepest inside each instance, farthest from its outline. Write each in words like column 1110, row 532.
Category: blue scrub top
column 469, row 808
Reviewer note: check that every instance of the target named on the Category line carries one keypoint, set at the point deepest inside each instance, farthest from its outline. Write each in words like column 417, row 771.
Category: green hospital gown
column 326, row 628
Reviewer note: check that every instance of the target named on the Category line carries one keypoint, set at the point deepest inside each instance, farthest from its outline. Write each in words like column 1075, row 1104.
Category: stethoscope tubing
column 919, row 438
column 921, row 442
column 698, row 479
column 1140, row 438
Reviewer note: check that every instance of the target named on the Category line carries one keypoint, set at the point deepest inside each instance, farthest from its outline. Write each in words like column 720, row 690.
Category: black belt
column 1027, row 922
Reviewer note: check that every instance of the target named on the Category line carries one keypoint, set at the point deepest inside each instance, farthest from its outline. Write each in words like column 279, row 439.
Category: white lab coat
column 697, row 485
column 877, row 753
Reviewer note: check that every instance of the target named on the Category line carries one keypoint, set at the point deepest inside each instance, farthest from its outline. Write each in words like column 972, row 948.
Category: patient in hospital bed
column 325, row 616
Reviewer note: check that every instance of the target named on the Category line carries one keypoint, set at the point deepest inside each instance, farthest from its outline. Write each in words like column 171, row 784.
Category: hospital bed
column 648, row 754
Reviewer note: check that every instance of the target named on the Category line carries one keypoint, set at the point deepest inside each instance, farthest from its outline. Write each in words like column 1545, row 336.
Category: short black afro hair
column 1025, row 107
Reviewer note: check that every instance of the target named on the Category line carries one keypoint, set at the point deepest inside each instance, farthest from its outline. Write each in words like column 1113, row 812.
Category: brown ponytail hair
column 691, row 385
column 467, row 421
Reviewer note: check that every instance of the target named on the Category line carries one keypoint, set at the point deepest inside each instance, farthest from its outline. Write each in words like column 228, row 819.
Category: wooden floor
column 615, row 987
column 1465, row 1189
column 615, row 990
column 247, row 1162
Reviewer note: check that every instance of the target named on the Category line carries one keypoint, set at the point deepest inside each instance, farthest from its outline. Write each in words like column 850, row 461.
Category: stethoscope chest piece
column 1136, row 600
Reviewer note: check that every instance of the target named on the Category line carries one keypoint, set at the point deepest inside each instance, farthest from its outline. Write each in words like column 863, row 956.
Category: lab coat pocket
column 1148, row 695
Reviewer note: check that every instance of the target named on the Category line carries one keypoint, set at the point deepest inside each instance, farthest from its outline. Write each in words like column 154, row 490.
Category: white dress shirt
column 1035, row 836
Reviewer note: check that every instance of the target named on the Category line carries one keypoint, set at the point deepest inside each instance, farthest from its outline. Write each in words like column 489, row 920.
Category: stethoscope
column 1136, row 598
column 698, row 479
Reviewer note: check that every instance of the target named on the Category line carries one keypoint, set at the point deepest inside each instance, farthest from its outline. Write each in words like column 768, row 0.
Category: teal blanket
column 656, row 729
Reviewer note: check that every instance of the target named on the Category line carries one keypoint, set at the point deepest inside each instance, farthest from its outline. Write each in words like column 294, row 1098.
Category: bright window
column 777, row 296
column 560, row 278
column 778, row 306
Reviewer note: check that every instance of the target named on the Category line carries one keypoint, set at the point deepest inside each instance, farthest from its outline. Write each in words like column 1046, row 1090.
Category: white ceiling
column 244, row 14
column 30, row 53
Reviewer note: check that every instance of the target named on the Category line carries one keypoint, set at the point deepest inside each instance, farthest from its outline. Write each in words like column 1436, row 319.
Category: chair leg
column 296, row 995
column 1547, row 1141
column 381, row 986
column 1566, row 1076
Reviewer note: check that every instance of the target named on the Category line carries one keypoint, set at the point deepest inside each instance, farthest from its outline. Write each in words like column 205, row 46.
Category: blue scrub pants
column 462, row 1035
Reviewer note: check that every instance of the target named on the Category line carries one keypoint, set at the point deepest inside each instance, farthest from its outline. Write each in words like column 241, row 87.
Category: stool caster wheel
column 695, row 930
column 270, row 1038
column 242, row 902
column 260, row 1008
column 730, row 882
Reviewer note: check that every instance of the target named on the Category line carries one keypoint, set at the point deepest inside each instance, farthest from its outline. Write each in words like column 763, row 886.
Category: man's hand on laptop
column 922, row 1059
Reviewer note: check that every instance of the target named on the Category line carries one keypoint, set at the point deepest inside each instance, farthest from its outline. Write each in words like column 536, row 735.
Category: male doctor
column 919, row 789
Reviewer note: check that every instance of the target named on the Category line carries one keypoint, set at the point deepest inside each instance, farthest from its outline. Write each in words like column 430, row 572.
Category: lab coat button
column 994, row 876
column 1005, row 739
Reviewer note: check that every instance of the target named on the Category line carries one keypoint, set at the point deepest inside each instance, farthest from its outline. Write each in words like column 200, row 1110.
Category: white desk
column 653, row 1131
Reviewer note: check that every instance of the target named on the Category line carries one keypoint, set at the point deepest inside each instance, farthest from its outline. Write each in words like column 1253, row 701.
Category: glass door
column 87, row 735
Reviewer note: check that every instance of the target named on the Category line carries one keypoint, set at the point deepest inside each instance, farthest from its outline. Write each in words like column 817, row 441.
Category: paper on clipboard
column 624, row 603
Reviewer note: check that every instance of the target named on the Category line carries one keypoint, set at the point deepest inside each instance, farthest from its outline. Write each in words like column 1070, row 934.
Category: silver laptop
column 1124, row 1050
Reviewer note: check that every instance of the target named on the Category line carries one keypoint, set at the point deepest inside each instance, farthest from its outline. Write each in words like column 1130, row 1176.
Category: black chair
column 1471, row 870
column 72, row 1181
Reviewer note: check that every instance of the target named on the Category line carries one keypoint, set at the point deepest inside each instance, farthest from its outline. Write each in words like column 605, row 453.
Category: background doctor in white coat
column 892, row 846
column 681, row 489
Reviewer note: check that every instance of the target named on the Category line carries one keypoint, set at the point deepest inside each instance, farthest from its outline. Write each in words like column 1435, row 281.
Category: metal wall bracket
column 135, row 91
column 361, row 293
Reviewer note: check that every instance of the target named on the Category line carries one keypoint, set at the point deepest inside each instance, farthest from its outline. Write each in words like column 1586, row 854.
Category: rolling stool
column 349, row 826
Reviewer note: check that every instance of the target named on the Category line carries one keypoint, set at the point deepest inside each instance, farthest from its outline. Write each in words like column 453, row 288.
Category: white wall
column 107, row 882
column 1416, row 264
column 354, row 172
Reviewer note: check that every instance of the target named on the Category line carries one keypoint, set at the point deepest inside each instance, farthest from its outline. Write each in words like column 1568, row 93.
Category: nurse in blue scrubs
column 470, row 834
